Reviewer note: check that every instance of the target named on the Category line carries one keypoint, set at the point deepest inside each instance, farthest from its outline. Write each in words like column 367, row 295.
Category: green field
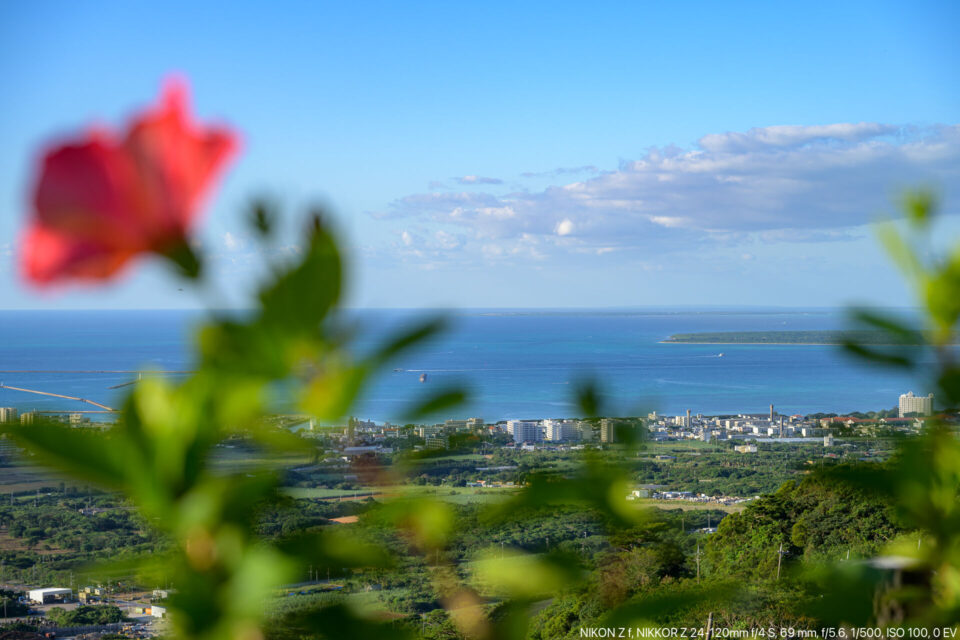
column 683, row 505
column 323, row 493
column 456, row 495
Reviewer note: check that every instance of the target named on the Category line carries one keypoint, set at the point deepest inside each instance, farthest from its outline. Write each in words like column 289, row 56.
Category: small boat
column 719, row 355
column 398, row 369
column 423, row 377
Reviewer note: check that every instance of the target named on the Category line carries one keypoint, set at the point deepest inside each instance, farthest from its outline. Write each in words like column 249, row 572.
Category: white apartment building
column 525, row 430
column 608, row 430
column 910, row 403
column 561, row 430
column 425, row 431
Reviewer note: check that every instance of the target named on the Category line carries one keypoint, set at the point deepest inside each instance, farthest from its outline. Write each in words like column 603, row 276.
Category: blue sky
column 550, row 154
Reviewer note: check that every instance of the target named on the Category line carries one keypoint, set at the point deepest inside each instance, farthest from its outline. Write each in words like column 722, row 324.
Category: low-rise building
column 50, row 594
column 439, row 441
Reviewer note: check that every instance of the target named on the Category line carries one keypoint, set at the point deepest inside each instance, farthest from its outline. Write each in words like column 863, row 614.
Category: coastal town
column 479, row 461
column 745, row 431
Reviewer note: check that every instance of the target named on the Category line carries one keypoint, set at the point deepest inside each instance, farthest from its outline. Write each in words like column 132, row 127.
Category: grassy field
column 683, row 505
column 461, row 457
column 22, row 477
column 320, row 493
column 455, row 495
column 679, row 446
column 230, row 458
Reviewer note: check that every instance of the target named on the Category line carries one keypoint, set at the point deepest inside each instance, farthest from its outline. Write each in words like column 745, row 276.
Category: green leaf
column 335, row 549
column 186, row 261
column 595, row 485
column 262, row 217
column 648, row 608
column 588, row 398
column 330, row 394
column 409, row 337
column 919, row 205
column 903, row 359
column 430, row 522
column 843, row 594
column 898, row 332
column 339, row 622
column 299, row 298
column 435, row 402
column 525, row 576
column 102, row 458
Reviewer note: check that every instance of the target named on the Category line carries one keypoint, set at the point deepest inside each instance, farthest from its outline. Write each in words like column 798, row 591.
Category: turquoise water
column 517, row 364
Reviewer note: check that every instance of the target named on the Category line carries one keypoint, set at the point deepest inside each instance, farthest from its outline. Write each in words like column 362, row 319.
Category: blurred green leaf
column 331, row 393
column 339, row 622
column 185, row 259
column 409, row 337
column 919, row 205
column 334, row 549
column 427, row 521
column 594, row 485
column 900, row 251
column 588, row 398
column 102, row 458
column 435, row 402
column 299, row 298
column 888, row 357
column 898, row 332
column 647, row 608
column 525, row 576
column 263, row 217
column 842, row 594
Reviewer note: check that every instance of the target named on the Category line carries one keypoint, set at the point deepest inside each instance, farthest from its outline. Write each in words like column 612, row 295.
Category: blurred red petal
column 85, row 191
column 49, row 256
column 175, row 160
column 101, row 200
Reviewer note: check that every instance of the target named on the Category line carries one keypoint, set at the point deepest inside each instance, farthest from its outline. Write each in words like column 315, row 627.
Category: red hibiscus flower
column 102, row 200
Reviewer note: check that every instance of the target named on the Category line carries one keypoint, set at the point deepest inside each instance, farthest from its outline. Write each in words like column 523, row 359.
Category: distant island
column 792, row 337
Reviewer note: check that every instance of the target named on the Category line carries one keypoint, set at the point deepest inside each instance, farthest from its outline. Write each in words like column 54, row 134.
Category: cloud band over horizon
column 784, row 182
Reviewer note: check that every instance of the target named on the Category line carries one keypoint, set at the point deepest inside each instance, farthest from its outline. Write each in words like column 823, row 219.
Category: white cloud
column 560, row 171
column 667, row 221
column 564, row 227
column 787, row 136
column 232, row 242
column 785, row 183
column 447, row 240
column 468, row 180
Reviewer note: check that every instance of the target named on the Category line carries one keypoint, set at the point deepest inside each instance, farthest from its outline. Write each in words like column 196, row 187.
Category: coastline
column 796, row 344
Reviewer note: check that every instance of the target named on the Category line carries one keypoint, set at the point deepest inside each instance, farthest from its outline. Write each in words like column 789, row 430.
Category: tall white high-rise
column 525, row 430
column 910, row 403
column 561, row 430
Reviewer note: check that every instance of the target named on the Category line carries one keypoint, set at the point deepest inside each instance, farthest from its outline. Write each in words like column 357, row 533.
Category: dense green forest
column 665, row 568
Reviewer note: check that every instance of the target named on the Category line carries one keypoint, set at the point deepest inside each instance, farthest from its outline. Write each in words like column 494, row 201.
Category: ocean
column 516, row 363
